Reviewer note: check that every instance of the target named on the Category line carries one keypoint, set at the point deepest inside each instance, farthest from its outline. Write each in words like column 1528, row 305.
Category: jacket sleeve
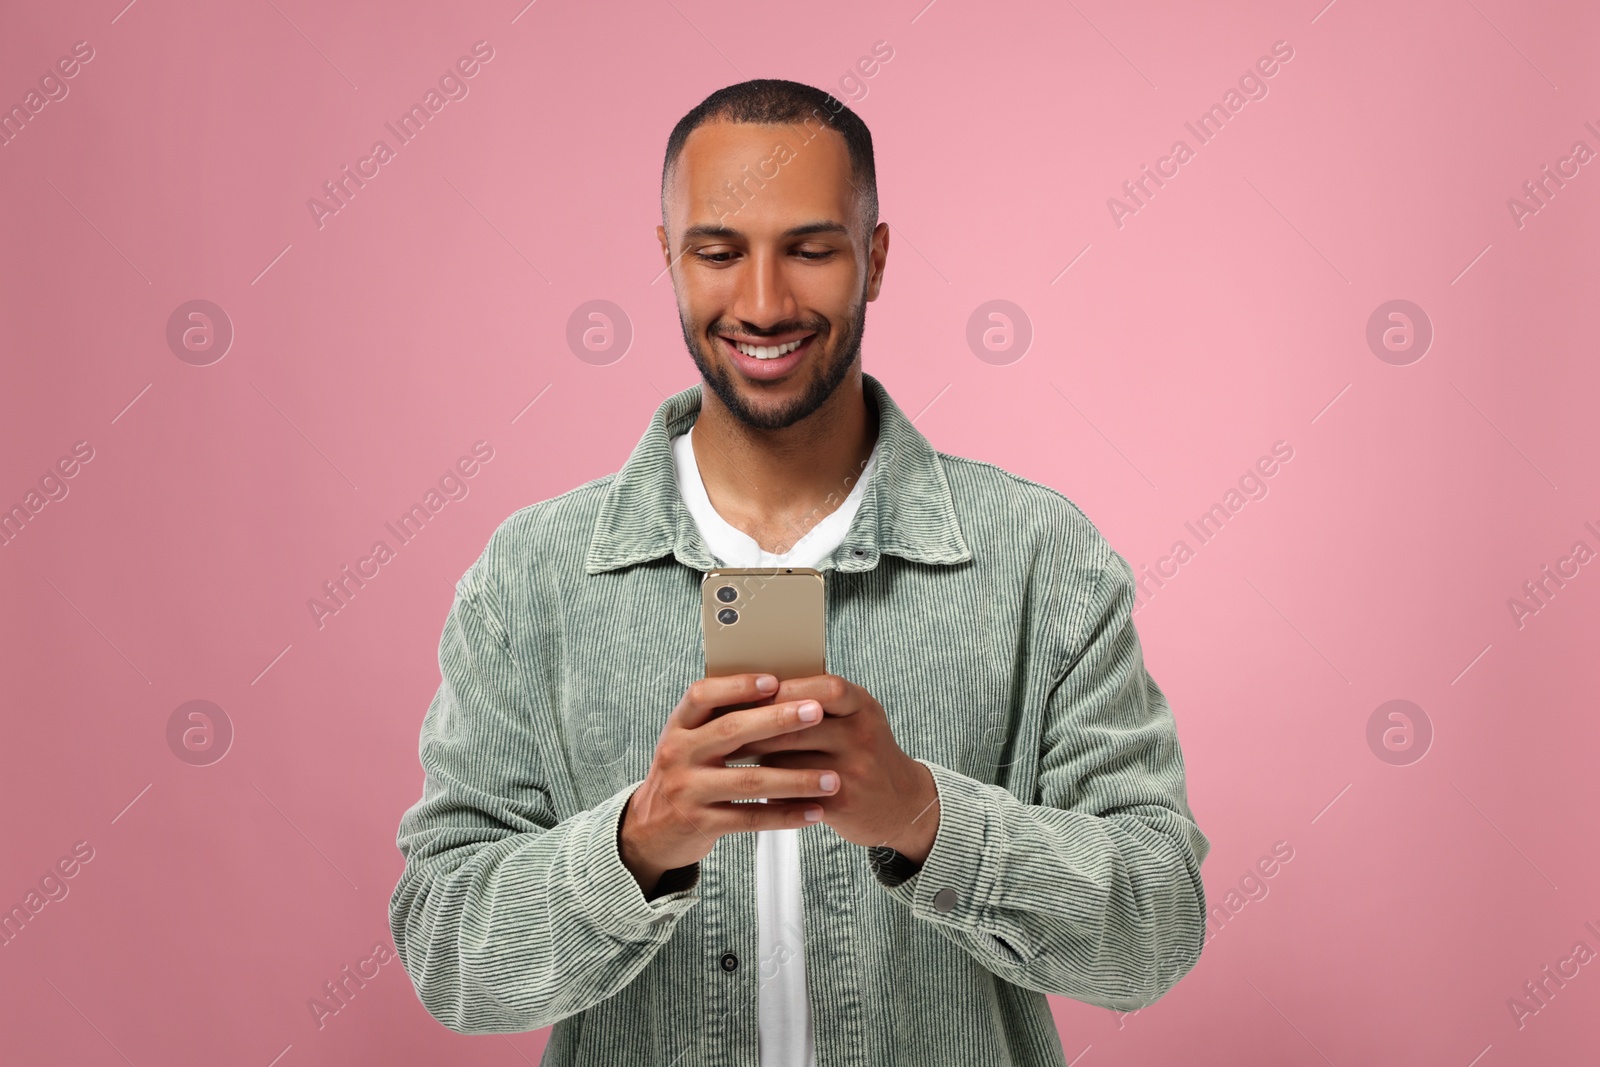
column 506, row 919
column 1093, row 893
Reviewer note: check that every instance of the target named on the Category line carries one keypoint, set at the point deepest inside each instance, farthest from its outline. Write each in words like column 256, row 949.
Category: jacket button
column 944, row 900
column 729, row 961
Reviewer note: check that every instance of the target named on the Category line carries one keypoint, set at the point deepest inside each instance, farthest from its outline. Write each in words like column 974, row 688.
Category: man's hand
column 684, row 803
column 886, row 797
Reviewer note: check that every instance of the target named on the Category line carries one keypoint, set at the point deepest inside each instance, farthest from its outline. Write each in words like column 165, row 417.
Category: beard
column 822, row 385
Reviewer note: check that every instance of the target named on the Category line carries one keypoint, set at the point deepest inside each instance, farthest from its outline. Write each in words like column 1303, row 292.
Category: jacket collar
column 906, row 509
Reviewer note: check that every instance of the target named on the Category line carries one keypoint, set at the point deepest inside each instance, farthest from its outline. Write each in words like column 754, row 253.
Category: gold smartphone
column 766, row 620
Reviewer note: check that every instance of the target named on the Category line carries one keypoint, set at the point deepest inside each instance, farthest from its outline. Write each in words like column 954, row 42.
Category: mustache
column 777, row 331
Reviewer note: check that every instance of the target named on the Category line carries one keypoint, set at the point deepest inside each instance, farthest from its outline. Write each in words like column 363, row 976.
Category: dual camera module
column 727, row 594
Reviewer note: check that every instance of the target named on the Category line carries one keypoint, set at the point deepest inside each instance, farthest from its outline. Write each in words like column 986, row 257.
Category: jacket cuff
column 611, row 894
column 957, row 878
column 890, row 867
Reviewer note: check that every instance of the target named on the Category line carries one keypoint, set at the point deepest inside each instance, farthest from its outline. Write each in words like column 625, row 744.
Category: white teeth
column 768, row 351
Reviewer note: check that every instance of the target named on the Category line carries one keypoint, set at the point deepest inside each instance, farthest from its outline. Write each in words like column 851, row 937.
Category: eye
column 816, row 255
column 713, row 257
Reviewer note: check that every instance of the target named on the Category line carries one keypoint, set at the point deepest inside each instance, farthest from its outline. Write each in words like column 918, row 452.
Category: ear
column 879, row 256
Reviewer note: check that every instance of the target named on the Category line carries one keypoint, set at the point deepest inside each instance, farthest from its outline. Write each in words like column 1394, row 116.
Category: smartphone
column 764, row 620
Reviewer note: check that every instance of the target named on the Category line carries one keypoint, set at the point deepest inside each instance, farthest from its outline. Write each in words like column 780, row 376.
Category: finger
column 778, row 815
column 825, row 737
column 836, row 695
column 798, row 757
column 713, row 741
column 705, row 695
column 716, row 785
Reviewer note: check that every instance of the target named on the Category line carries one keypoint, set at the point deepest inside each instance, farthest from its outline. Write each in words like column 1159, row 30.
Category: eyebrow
column 728, row 233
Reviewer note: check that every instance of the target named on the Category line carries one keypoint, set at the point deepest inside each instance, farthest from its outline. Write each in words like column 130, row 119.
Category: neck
column 776, row 485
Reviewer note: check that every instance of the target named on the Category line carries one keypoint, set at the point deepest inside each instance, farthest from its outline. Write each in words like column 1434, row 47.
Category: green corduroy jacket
column 992, row 621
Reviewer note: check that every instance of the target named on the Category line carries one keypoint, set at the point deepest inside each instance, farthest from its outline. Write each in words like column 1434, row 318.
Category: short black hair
column 774, row 101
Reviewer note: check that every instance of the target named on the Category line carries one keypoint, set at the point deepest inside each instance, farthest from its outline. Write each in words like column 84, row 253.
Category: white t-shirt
column 783, row 1011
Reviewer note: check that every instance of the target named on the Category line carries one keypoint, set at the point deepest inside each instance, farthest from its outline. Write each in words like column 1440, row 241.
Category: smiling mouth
column 767, row 351
column 768, row 362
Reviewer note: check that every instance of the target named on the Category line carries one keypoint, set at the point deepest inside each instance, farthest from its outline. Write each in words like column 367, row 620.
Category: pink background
column 1229, row 313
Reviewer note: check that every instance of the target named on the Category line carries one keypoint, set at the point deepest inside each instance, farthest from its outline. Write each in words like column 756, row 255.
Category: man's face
column 768, row 249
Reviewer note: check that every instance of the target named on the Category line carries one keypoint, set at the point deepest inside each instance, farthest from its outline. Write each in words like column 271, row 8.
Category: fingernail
column 813, row 814
column 829, row 782
column 810, row 711
column 767, row 683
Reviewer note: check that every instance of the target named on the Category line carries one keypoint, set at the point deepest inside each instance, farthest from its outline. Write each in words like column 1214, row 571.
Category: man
column 984, row 800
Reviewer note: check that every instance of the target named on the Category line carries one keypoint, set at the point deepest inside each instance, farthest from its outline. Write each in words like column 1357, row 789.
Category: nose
column 764, row 297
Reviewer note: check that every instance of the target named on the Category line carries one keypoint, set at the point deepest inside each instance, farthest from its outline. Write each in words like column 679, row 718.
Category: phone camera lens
column 727, row 594
column 727, row 616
